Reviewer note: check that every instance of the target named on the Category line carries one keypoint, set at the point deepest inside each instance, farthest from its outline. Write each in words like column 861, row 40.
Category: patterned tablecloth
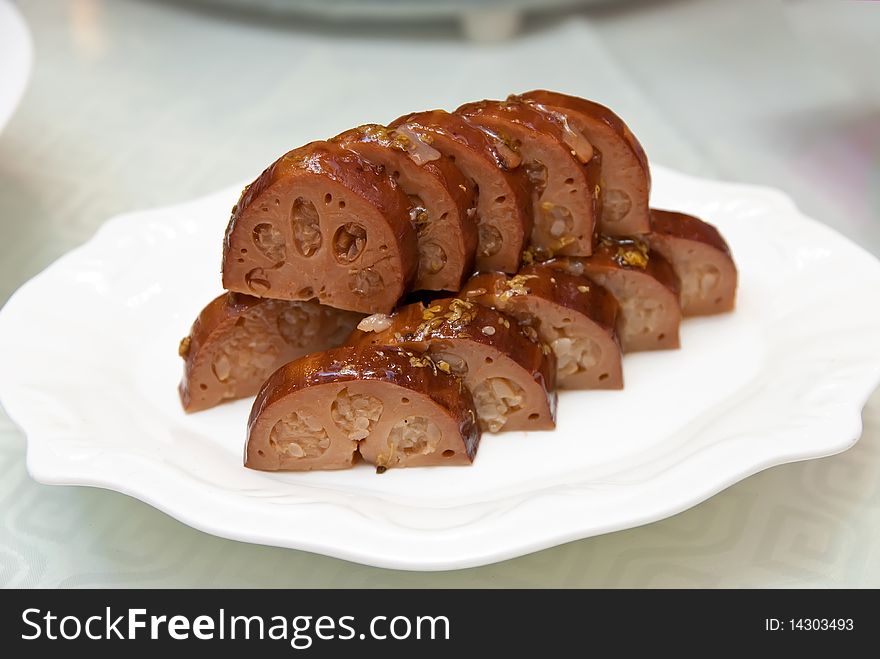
column 135, row 104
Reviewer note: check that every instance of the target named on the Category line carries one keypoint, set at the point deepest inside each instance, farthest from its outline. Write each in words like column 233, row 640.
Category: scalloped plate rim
column 45, row 467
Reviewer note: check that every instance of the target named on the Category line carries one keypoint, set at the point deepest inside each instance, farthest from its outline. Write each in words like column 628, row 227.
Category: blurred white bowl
column 481, row 20
column 15, row 59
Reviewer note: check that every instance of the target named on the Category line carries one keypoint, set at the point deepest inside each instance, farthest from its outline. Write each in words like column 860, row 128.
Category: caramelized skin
column 380, row 215
column 568, row 291
column 442, row 205
column 557, row 305
column 564, row 172
column 701, row 259
column 238, row 340
column 504, row 206
column 625, row 176
column 613, row 254
column 389, row 374
column 321, row 222
column 645, row 286
column 688, row 227
column 486, row 344
column 559, row 287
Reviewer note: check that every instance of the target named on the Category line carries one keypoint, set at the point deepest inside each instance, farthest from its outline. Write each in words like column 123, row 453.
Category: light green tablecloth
column 135, row 104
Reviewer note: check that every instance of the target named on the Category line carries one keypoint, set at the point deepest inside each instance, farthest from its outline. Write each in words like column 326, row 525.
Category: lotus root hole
column 537, row 174
column 448, row 453
column 257, row 281
column 328, row 198
column 534, row 416
column 433, row 258
column 418, row 213
column 270, row 242
column 615, row 205
column 349, row 242
column 569, row 181
column 355, row 414
column 247, row 353
column 574, row 353
column 699, row 283
column 298, row 436
column 495, row 399
column 489, row 360
column 306, row 293
column 203, row 386
column 306, row 227
column 641, row 314
column 414, row 435
column 501, row 199
column 490, row 240
column 365, row 282
column 300, row 323
column 404, row 400
column 604, row 376
column 556, row 220
column 341, row 204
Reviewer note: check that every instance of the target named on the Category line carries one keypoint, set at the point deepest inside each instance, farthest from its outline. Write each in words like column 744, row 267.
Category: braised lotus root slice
column 238, row 340
column 442, row 200
column 510, row 375
column 625, row 176
column 503, row 201
column 573, row 315
column 645, row 286
column 701, row 259
column 395, row 409
column 322, row 223
column 562, row 167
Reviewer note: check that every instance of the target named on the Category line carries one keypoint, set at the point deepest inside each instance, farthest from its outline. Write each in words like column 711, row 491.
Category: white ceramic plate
column 89, row 354
column 15, row 59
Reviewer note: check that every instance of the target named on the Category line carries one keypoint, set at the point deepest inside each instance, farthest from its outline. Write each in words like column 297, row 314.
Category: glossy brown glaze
column 563, row 170
column 238, row 340
column 576, row 317
column 504, row 206
column 322, row 223
column 701, row 259
column 393, row 407
column 442, row 200
column 645, row 286
column 510, row 376
column 625, row 176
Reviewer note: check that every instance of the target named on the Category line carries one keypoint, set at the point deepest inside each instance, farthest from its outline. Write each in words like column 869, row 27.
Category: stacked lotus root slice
column 395, row 290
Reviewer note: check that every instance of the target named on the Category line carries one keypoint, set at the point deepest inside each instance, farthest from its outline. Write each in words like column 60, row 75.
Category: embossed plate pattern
column 88, row 349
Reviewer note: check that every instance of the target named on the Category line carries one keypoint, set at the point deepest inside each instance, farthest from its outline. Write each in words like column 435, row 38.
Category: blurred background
column 133, row 104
